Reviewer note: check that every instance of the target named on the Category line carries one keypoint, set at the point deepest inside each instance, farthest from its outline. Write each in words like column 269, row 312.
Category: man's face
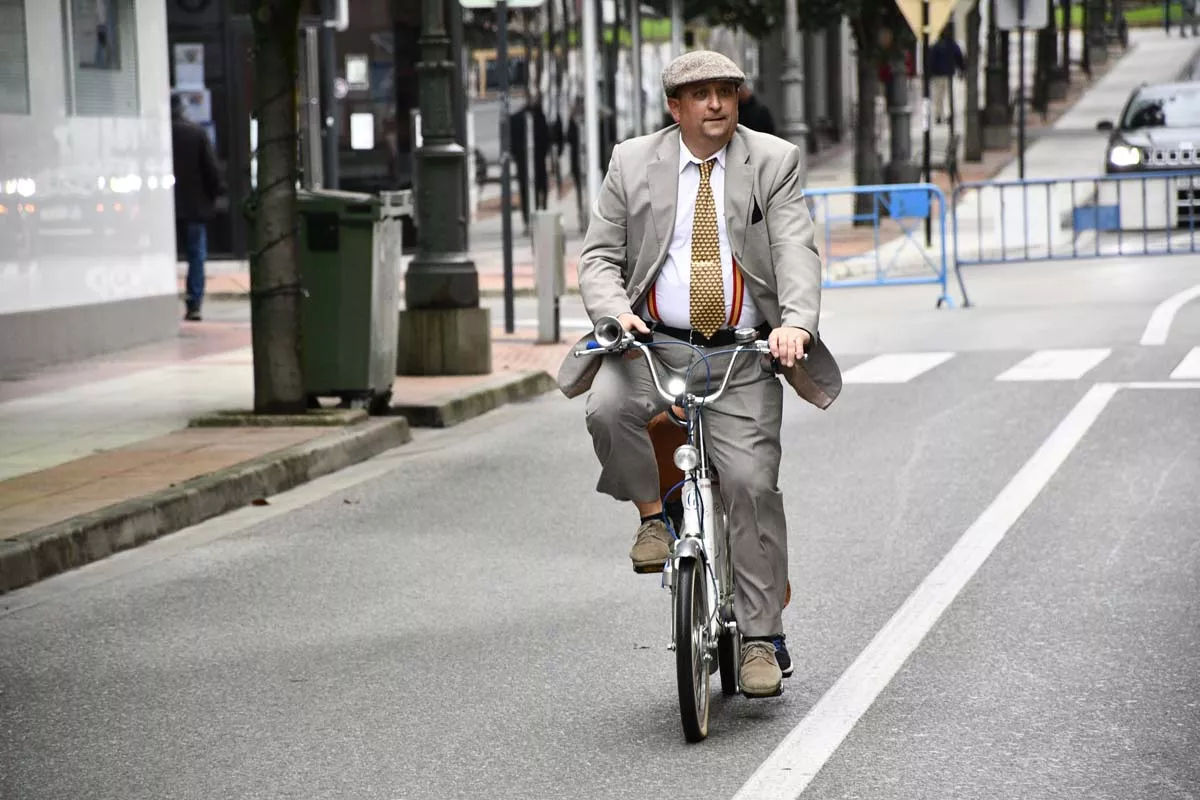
column 706, row 112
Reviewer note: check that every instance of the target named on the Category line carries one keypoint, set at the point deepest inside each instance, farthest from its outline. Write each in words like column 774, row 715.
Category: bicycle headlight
column 676, row 386
column 1123, row 155
column 687, row 457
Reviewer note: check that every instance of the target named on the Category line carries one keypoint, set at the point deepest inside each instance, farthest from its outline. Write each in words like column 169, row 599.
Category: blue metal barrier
column 895, row 257
column 1142, row 214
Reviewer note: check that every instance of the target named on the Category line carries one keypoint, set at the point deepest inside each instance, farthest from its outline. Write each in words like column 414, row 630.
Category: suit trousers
column 741, row 435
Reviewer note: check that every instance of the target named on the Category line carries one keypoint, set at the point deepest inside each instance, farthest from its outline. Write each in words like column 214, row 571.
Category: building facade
column 87, row 238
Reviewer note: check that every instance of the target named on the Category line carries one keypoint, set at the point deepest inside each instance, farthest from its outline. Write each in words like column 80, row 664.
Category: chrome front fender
column 690, row 547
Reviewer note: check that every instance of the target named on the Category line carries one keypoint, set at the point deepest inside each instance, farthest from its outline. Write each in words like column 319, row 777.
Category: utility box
column 349, row 251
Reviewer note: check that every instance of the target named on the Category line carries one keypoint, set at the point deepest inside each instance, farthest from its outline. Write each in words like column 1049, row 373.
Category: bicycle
column 702, row 610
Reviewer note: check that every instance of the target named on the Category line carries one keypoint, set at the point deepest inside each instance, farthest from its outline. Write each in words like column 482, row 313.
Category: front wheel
column 691, row 667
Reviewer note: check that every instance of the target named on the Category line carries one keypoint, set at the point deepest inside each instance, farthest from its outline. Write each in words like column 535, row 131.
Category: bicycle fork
column 697, row 540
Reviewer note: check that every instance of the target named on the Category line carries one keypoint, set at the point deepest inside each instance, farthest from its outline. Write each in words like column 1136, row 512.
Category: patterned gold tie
column 708, row 285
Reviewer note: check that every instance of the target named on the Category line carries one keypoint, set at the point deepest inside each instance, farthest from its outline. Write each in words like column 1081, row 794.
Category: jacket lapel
column 739, row 192
column 663, row 177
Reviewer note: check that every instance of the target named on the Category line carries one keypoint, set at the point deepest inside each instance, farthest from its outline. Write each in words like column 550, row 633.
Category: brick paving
column 32, row 501
column 57, row 490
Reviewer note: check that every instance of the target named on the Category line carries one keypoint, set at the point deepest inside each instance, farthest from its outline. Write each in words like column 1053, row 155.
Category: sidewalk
column 97, row 456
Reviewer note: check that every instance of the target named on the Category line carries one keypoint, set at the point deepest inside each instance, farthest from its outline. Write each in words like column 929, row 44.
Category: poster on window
column 94, row 30
column 189, row 66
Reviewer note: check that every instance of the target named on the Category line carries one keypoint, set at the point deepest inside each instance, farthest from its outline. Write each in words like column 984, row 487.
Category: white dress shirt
column 672, row 289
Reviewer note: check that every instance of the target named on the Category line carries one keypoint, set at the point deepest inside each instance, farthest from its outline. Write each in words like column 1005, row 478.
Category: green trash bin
column 350, row 266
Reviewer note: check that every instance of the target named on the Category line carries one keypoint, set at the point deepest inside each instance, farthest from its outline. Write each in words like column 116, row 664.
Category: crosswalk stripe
column 894, row 367
column 1189, row 368
column 1055, row 365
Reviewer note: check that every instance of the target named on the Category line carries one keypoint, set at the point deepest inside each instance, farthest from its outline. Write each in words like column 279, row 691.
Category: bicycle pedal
column 648, row 569
column 749, row 696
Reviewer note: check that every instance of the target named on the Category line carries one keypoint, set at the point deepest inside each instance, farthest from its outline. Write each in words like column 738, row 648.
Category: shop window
column 101, row 52
column 14, row 59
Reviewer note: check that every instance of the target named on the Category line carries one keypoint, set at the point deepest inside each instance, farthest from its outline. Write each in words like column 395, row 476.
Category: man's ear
column 673, row 107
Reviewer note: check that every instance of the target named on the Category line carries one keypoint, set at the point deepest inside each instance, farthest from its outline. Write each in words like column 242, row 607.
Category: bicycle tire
column 691, row 670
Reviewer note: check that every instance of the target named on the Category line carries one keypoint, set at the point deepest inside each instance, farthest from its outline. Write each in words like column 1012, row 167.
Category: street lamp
column 794, row 128
column 443, row 331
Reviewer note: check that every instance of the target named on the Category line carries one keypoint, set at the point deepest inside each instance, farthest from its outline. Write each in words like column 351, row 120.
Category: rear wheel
column 691, row 669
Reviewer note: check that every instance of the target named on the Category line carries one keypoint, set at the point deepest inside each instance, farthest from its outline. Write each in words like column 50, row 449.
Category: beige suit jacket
column 770, row 231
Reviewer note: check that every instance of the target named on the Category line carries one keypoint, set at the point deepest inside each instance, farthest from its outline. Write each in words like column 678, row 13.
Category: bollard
column 549, row 251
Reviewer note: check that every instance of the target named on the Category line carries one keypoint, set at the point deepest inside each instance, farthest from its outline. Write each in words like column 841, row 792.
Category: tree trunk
column 867, row 168
column 973, row 139
column 274, row 273
column 1045, row 57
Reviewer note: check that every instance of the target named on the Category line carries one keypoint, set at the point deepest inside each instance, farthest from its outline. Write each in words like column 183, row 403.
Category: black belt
column 721, row 338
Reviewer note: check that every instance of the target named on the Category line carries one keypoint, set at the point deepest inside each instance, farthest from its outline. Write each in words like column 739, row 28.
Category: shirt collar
column 686, row 157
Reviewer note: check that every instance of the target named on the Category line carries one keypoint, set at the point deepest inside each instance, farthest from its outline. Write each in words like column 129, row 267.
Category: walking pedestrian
column 945, row 61
column 198, row 184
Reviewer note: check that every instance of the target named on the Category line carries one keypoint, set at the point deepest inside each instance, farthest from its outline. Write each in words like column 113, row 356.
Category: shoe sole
column 762, row 696
column 647, row 567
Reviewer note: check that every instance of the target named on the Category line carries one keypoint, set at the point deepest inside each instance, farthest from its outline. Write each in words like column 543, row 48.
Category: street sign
column 510, row 3
column 939, row 15
column 1009, row 13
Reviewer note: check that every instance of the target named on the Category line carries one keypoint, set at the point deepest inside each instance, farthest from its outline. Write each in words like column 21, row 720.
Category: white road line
column 1055, row 365
column 894, row 367
column 804, row 751
column 1161, row 385
column 1189, row 368
column 1160, row 321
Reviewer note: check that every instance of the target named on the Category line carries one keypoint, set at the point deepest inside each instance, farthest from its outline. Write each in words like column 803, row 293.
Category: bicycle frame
column 702, row 536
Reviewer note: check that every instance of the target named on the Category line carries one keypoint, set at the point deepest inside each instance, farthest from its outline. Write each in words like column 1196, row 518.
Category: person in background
column 945, row 61
column 198, row 184
column 520, row 155
column 1187, row 11
column 575, row 153
column 753, row 113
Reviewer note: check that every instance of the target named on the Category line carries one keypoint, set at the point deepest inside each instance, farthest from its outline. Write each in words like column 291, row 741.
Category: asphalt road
column 994, row 557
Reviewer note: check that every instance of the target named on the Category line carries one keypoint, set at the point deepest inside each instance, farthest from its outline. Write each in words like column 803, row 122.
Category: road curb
column 457, row 407
column 56, row 548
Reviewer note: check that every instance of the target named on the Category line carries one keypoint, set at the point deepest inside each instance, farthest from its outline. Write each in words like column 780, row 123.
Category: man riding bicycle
column 699, row 229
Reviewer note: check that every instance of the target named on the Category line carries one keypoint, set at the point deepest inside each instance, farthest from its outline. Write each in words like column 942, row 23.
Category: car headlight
column 1123, row 155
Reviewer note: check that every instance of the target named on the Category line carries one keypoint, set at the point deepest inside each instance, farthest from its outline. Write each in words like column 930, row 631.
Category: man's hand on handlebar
column 789, row 344
column 632, row 322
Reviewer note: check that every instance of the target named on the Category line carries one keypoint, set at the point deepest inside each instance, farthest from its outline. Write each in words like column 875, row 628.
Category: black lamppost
column 443, row 331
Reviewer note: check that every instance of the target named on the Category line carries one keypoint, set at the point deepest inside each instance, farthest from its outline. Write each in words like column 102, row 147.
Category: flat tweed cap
column 699, row 66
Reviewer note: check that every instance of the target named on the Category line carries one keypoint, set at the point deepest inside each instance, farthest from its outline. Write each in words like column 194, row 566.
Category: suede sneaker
column 652, row 547
column 782, row 657
column 760, row 671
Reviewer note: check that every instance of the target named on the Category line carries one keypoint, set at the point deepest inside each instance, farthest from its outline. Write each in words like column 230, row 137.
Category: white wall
column 88, row 212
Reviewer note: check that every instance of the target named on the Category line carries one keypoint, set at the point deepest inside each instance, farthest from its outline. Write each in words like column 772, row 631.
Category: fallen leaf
column 260, row 501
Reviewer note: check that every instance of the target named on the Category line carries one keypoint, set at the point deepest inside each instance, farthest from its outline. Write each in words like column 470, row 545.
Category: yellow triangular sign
column 939, row 15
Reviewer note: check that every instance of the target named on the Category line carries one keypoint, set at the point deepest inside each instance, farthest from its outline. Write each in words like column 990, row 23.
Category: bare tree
column 275, row 290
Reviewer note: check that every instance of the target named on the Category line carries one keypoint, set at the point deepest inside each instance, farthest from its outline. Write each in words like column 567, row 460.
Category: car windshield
column 1164, row 108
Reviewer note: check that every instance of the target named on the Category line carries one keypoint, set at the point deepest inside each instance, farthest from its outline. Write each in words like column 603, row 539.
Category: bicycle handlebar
column 612, row 338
